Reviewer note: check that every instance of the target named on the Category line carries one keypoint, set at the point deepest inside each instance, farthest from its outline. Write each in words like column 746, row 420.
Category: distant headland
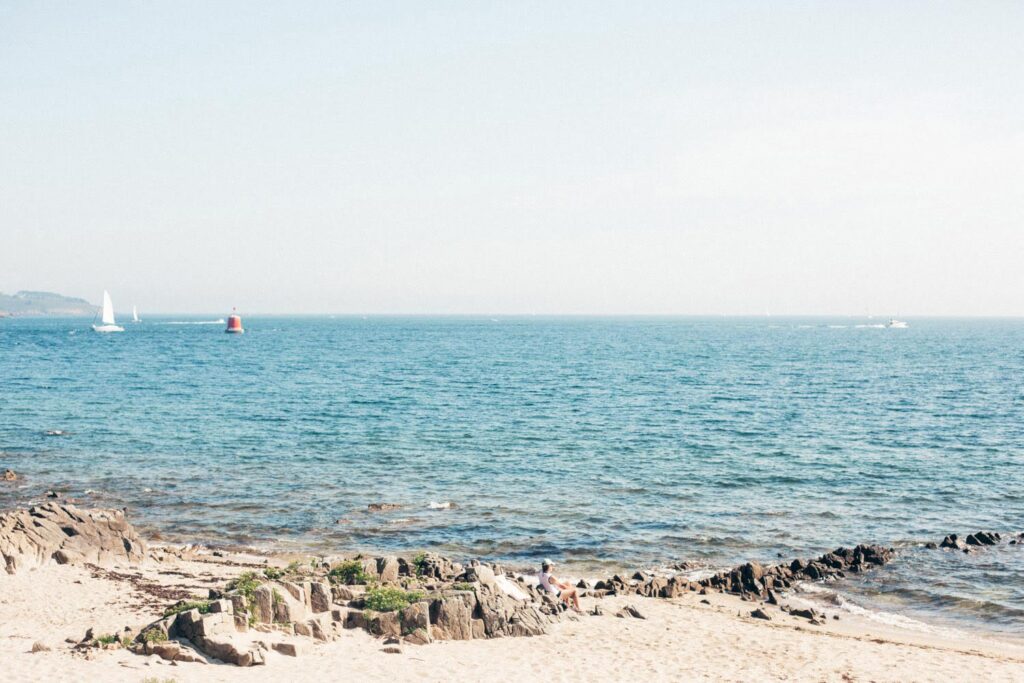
column 43, row 303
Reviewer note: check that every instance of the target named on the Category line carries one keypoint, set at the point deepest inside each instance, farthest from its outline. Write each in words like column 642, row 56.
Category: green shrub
column 464, row 586
column 348, row 573
column 154, row 635
column 185, row 605
column 273, row 573
column 107, row 639
column 293, row 567
column 385, row 599
column 420, row 562
column 245, row 584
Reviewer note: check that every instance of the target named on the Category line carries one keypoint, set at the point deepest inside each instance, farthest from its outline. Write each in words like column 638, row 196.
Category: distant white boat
column 135, row 314
column 896, row 324
column 109, row 324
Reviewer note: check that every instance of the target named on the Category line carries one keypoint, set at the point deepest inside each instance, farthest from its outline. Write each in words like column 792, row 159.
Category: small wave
column 446, row 505
column 219, row 321
column 873, row 327
column 823, row 594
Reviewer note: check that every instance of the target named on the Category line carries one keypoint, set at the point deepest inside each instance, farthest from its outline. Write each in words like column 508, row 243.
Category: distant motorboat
column 896, row 324
column 135, row 314
column 109, row 324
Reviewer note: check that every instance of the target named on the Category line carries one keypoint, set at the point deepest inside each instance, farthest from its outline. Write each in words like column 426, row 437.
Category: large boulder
column 481, row 574
column 451, row 617
column 230, row 650
column 320, row 596
column 434, row 566
column 387, row 569
column 505, row 616
column 415, row 623
column 385, row 624
column 54, row 532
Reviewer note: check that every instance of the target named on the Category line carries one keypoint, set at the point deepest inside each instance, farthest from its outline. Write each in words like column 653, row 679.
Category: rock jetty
column 64, row 534
column 752, row 579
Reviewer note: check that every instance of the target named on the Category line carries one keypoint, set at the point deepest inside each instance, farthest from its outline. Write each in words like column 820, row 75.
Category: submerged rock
column 383, row 507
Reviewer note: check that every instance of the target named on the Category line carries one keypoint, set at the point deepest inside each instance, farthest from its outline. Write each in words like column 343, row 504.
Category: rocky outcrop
column 303, row 604
column 752, row 579
column 66, row 534
column 211, row 630
column 978, row 539
column 432, row 566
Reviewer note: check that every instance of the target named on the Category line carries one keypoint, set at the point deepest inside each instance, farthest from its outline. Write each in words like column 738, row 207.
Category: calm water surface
column 601, row 442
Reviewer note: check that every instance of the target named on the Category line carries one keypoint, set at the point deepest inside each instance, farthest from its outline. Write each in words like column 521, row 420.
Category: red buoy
column 234, row 324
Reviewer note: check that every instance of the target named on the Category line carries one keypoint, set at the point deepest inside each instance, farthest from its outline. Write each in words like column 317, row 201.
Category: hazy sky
column 594, row 157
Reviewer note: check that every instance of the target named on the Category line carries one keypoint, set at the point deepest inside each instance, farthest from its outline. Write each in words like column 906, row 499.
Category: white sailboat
column 135, row 314
column 109, row 324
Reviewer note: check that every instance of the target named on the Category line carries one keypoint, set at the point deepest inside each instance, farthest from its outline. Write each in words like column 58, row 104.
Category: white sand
column 680, row 640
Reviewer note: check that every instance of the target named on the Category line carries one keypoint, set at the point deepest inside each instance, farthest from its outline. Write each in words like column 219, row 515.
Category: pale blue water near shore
column 602, row 442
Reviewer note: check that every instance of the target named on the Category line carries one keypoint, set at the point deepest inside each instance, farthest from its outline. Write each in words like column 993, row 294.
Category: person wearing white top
column 563, row 591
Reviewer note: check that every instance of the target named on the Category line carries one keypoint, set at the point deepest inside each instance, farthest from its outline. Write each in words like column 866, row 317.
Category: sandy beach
column 694, row 637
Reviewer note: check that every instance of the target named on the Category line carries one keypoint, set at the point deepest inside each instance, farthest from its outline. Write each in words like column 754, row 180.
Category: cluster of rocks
column 751, row 579
column 65, row 534
column 10, row 475
column 283, row 610
column 974, row 541
column 446, row 602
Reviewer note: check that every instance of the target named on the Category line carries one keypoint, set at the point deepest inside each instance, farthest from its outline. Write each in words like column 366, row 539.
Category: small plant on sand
column 154, row 635
column 273, row 573
column 185, row 605
column 293, row 567
column 106, row 639
column 385, row 599
column 348, row 573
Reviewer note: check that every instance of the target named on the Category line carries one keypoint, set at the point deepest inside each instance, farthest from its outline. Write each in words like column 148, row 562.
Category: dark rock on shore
column 630, row 611
column 752, row 579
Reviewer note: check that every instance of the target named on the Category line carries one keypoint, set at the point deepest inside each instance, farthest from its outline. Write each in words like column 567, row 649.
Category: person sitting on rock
column 563, row 591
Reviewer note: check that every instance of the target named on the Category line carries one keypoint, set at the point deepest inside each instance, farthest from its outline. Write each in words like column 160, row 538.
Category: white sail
column 135, row 314
column 108, row 309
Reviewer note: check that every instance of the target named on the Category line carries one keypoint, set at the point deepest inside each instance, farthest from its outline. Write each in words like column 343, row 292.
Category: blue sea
column 605, row 443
